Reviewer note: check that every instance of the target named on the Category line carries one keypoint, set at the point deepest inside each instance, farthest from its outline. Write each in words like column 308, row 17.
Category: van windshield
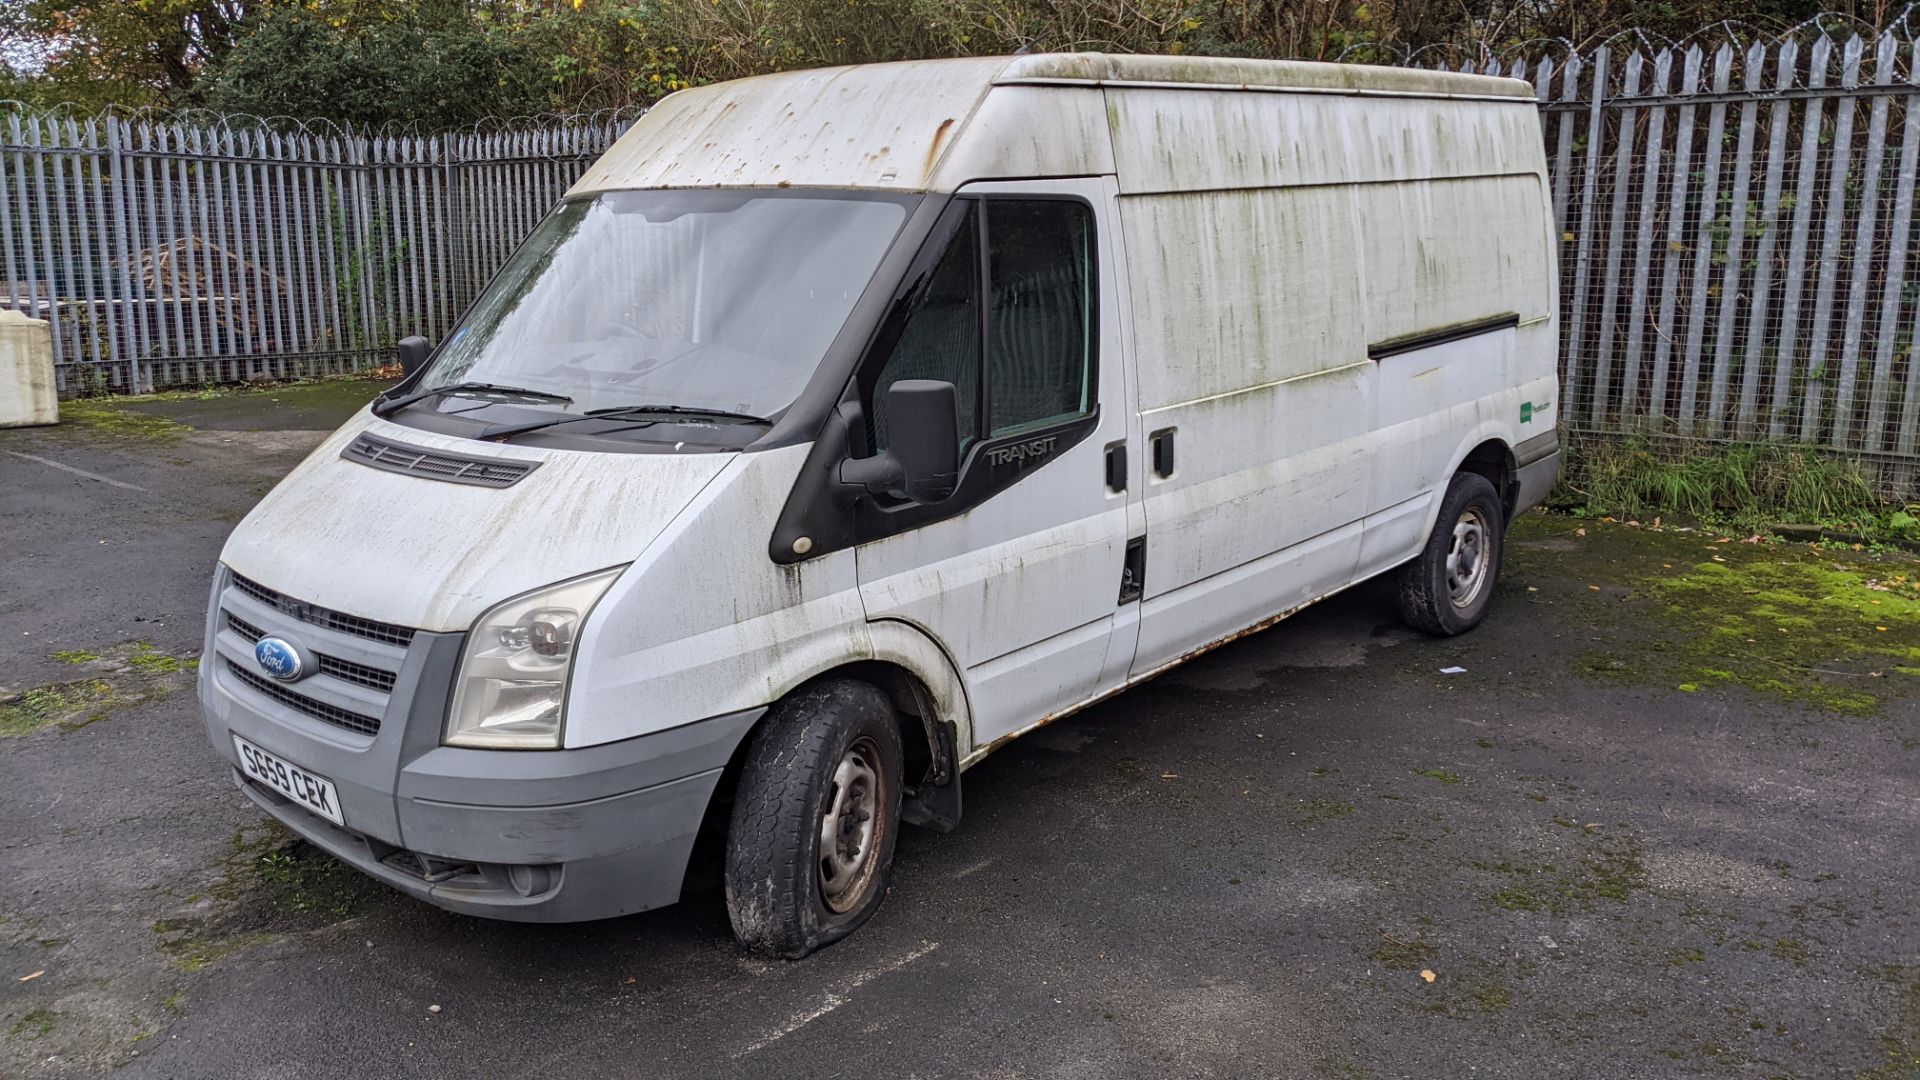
column 722, row 300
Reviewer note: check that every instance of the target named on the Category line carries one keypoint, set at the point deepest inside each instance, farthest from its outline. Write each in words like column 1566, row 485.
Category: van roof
column 888, row 126
column 1234, row 73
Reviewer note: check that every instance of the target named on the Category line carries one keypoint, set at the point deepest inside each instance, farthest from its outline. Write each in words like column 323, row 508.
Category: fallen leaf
column 1595, row 588
column 631, row 980
column 1427, row 974
column 35, row 975
column 1882, row 629
column 1576, row 532
column 1169, row 776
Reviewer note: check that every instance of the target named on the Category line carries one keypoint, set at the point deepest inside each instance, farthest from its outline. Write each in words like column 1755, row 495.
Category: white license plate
column 313, row 792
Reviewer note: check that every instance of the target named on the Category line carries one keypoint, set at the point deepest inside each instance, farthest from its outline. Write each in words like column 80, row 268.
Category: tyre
column 811, row 840
column 1446, row 588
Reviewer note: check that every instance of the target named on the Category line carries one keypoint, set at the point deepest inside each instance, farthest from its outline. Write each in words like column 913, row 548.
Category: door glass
column 941, row 336
column 1040, row 312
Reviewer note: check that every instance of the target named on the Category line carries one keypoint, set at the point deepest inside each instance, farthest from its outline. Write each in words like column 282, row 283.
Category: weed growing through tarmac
column 1441, row 775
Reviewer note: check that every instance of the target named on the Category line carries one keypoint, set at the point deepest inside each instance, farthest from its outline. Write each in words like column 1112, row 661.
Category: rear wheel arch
column 1493, row 459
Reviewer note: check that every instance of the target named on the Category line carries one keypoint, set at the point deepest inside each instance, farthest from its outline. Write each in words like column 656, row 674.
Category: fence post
column 1583, row 238
column 1752, row 359
column 1751, row 68
column 1812, row 418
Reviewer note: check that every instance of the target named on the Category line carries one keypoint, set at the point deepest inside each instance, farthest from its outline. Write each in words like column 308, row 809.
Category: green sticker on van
column 1526, row 412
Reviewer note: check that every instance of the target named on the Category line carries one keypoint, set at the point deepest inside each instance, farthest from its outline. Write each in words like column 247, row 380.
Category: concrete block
column 27, row 394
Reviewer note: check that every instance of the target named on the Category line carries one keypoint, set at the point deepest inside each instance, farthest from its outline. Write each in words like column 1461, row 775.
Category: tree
column 133, row 52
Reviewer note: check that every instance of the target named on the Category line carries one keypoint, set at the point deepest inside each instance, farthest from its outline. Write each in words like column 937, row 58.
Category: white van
column 842, row 425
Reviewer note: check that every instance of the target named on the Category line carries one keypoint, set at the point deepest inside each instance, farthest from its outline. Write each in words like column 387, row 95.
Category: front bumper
column 526, row 835
column 476, row 844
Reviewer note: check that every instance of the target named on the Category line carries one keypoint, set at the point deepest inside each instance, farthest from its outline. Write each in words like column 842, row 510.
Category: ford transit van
column 840, row 426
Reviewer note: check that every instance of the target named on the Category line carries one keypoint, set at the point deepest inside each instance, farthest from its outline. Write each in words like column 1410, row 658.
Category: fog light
column 531, row 880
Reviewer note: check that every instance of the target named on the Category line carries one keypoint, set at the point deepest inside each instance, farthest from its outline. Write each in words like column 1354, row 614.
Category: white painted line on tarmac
column 833, row 1000
column 79, row 472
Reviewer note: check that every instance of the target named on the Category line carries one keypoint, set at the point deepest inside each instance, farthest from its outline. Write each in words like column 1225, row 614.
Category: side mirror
column 923, row 462
column 413, row 353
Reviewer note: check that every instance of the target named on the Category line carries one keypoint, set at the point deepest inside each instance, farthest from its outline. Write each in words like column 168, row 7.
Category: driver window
column 940, row 338
column 1033, row 346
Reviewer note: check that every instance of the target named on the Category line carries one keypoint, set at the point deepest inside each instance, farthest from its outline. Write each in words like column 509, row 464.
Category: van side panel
column 1275, row 237
column 1438, row 254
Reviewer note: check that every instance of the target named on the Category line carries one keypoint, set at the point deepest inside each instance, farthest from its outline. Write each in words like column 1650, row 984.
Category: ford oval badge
column 278, row 658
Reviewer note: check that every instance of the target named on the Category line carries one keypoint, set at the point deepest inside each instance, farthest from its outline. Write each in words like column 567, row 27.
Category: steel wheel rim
column 849, row 826
column 1467, row 558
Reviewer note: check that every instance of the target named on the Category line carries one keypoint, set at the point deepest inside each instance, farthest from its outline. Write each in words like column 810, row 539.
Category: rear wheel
column 814, row 818
column 1446, row 589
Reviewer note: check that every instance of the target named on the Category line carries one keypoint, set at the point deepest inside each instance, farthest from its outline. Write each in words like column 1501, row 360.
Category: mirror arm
column 879, row 474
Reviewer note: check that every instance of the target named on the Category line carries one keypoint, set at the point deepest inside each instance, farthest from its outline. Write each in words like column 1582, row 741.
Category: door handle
column 1117, row 465
column 1160, row 449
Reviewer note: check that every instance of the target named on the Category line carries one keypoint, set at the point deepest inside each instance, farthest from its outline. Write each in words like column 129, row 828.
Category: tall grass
column 1754, row 485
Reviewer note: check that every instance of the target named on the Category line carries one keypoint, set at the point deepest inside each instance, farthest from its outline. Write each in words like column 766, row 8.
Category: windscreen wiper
column 502, row 432
column 387, row 406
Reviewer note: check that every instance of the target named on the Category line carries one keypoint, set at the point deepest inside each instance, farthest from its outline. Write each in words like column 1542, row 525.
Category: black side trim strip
column 1536, row 448
column 1427, row 339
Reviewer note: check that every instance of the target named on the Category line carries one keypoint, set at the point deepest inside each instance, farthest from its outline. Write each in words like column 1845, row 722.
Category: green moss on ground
column 1611, row 871
column 1404, row 955
column 1900, row 1042
column 108, row 416
column 1824, row 624
column 270, row 883
column 118, row 676
column 34, row 1025
column 70, row 704
column 1324, row 810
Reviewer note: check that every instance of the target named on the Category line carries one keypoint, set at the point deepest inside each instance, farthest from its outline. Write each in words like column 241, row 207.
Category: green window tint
column 940, row 338
column 1039, row 320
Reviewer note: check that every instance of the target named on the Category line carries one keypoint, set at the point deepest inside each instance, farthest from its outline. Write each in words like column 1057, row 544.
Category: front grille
column 366, row 676
column 370, row 677
column 370, row 629
column 319, row 710
column 381, row 453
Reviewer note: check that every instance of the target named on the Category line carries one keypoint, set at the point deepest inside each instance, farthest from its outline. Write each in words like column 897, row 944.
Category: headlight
column 512, row 685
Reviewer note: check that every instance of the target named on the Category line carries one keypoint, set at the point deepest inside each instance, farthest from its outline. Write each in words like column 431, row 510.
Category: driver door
column 1018, row 574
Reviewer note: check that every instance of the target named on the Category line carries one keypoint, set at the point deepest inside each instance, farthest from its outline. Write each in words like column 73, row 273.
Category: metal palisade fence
column 1737, row 238
column 171, row 251
column 1737, row 241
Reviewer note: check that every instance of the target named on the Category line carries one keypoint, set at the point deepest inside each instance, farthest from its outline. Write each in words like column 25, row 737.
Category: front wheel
column 811, row 841
column 1446, row 588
